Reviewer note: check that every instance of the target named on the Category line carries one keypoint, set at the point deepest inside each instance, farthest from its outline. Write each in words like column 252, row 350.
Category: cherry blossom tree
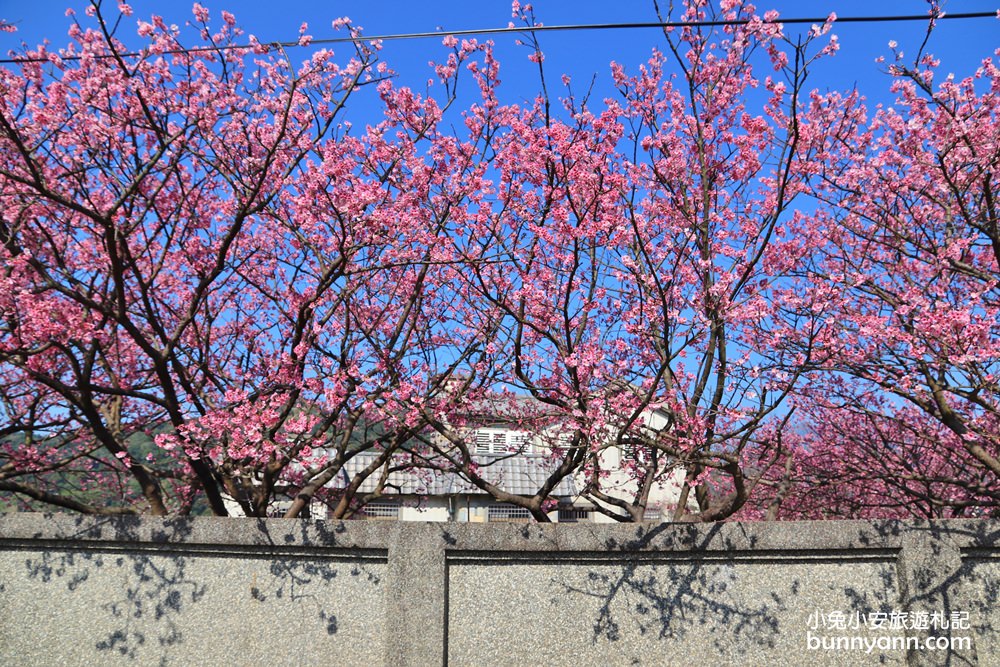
column 637, row 249
column 215, row 290
column 854, row 462
column 199, row 251
column 906, row 269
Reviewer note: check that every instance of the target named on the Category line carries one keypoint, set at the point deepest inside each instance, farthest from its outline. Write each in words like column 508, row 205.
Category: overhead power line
column 532, row 29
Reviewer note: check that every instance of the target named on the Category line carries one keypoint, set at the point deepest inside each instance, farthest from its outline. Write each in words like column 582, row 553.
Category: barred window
column 505, row 512
column 381, row 509
column 574, row 515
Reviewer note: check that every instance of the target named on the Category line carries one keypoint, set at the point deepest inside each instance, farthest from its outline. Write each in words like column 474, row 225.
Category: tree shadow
column 685, row 584
column 159, row 584
column 953, row 568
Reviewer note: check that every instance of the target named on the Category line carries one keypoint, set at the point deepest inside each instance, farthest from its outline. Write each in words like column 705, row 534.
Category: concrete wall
column 95, row 591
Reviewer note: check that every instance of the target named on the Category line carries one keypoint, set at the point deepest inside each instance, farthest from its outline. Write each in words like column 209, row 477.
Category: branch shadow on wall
column 689, row 584
column 151, row 580
column 954, row 571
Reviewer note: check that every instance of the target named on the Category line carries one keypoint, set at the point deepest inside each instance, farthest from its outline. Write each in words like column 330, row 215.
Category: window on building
column 501, row 441
column 574, row 515
column 504, row 512
column 519, row 442
column 635, row 449
column 489, row 441
column 380, row 509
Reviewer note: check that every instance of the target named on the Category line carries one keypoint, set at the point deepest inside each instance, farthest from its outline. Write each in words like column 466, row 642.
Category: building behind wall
column 512, row 459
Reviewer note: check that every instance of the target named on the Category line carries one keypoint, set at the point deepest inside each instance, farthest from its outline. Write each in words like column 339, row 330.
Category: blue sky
column 961, row 44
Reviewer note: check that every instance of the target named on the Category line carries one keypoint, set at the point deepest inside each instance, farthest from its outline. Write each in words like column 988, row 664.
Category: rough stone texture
column 186, row 594
column 982, row 581
column 417, row 592
column 107, row 608
column 699, row 611
column 79, row 591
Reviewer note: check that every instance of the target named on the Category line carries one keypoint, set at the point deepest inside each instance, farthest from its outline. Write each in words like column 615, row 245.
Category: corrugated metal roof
column 519, row 474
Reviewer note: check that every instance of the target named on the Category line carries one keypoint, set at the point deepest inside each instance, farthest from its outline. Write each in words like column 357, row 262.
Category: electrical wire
column 521, row 30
